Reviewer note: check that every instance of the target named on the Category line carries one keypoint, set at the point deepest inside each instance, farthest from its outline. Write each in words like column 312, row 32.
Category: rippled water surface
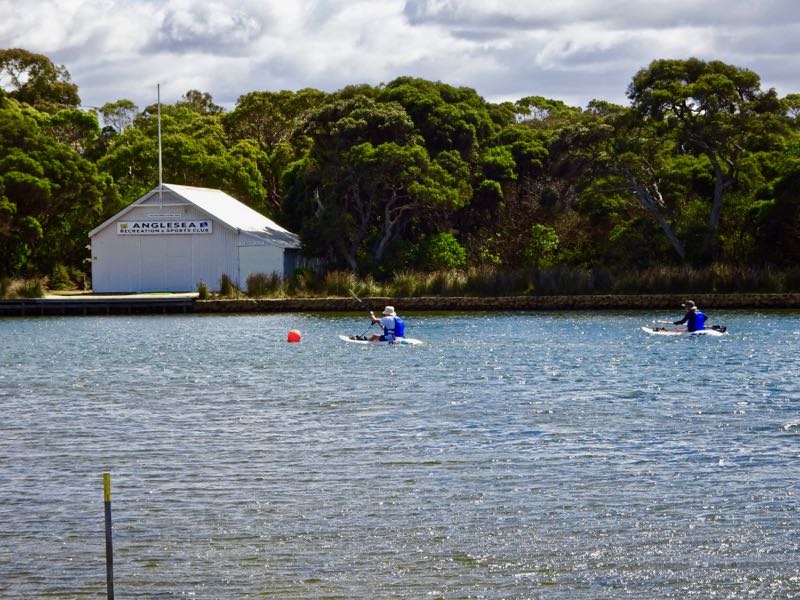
column 554, row 455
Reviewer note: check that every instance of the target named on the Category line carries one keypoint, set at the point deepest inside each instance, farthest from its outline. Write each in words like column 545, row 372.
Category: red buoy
column 294, row 336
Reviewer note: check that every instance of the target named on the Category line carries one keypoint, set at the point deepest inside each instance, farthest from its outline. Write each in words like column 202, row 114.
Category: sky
column 569, row 50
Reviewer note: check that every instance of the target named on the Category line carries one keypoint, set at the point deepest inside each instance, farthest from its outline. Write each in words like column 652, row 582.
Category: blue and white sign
column 165, row 226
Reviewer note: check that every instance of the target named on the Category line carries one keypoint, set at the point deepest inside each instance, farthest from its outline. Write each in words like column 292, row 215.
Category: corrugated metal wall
column 163, row 262
column 265, row 259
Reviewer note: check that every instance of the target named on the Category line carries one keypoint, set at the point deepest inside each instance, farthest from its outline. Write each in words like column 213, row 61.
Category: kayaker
column 694, row 318
column 393, row 326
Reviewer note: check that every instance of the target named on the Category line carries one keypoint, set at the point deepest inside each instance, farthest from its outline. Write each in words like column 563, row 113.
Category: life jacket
column 399, row 329
column 697, row 321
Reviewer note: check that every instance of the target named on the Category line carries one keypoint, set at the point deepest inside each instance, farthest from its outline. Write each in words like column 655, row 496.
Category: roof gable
column 223, row 207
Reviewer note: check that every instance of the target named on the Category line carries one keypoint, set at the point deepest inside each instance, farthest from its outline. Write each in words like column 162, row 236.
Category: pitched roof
column 225, row 208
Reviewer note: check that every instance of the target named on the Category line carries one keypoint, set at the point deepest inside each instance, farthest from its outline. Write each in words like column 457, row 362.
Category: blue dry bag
column 399, row 328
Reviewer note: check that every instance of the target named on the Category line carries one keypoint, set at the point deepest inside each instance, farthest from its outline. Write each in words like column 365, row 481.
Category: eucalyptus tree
column 627, row 159
column 509, row 179
column 33, row 79
column 116, row 117
column 119, row 115
column 780, row 241
column 447, row 117
column 76, row 128
column 504, row 150
column 713, row 109
column 50, row 196
column 200, row 102
column 791, row 105
column 366, row 180
column 524, row 187
column 274, row 122
column 195, row 151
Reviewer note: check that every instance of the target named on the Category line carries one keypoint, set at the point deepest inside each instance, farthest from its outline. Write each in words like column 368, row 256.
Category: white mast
column 160, row 181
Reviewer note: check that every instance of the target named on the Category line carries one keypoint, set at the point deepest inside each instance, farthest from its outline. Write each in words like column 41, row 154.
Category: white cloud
column 573, row 50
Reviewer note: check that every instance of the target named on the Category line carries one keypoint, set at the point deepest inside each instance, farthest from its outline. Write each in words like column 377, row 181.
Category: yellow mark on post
column 106, row 487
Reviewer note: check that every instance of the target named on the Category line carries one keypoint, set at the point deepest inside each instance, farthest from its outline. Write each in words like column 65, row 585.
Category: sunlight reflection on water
column 558, row 455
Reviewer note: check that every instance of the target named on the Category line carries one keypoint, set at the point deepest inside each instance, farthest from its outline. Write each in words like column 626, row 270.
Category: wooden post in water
column 109, row 547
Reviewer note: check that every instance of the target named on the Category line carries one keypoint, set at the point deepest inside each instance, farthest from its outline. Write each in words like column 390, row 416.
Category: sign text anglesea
column 158, row 227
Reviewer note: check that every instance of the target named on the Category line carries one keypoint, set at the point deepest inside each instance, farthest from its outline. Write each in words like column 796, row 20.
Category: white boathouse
column 176, row 236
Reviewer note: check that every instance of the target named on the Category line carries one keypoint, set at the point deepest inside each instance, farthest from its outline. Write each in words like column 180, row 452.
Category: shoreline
column 90, row 304
column 502, row 303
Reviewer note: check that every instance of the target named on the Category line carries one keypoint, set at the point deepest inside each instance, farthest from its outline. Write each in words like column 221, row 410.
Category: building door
column 178, row 263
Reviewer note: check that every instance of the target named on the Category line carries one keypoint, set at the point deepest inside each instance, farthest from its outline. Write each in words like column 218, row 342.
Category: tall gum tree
column 195, row 151
column 50, row 196
column 33, row 79
column 715, row 110
column 625, row 157
column 368, row 175
column 274, row 122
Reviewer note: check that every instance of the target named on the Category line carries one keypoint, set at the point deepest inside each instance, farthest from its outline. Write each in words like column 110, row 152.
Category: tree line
column 702, row 167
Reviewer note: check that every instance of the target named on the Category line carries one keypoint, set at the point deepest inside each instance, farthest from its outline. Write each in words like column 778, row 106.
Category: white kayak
column 403, row 341
column 712, row 331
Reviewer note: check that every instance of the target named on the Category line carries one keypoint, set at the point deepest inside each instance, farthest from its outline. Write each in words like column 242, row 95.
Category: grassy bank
column 486, row 282
column 559, row 281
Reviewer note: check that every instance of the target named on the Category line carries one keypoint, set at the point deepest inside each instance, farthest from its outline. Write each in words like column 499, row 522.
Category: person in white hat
column 393, row 326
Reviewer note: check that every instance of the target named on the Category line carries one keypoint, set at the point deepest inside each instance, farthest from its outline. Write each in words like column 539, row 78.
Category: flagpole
column 160, row 180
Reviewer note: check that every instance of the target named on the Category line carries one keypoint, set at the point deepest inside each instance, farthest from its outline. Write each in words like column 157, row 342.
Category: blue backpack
column 399, row 328
column 699, row 321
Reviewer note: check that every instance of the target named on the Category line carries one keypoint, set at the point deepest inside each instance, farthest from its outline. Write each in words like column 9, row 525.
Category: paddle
column 666, row 323
column 720, row 328
column 353, row 294
column 366, row 308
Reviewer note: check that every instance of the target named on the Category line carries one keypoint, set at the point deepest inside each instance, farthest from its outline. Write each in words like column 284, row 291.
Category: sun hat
column 689, row 304
column 389, row 311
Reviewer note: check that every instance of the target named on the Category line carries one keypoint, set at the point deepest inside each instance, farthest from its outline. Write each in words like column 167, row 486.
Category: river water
column 515, row 455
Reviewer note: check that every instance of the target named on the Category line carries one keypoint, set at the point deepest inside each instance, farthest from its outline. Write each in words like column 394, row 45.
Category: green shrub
column 404, row 284
column 260, row 285
column 729, row 278
column 442, row 251
column 493, row 281
column 304, row 281
column 490, row 281
column 60, row 279
column 718, row 278
column 446, row 283
column 791, row 280
column 30, row 288
column 563, row 280
column 542, row 247
column 202, row 290
column 339, row 283
column 439, row 283
column 227, row 289
column 370, row 287
column 22, row 288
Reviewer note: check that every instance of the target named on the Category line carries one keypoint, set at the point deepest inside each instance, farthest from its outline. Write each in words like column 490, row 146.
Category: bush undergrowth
column 261, row 285
column 487, row 282
column 11, row 288
column 558, row 280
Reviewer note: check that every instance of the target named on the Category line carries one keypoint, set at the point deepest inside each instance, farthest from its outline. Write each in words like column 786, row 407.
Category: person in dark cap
column 694, row 318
